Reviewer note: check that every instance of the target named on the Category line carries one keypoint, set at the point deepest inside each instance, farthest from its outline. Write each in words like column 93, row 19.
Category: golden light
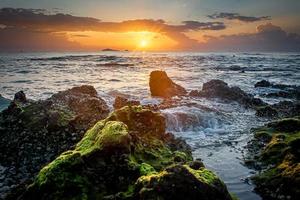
column 144, row 43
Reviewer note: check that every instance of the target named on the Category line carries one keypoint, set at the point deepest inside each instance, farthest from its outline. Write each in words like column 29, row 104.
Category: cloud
column 237, row 16
column 37, row 29
column 31, row 20
column 267, row 37
column 12, row 39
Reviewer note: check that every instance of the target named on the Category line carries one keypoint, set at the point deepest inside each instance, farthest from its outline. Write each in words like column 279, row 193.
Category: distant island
column 109, row 49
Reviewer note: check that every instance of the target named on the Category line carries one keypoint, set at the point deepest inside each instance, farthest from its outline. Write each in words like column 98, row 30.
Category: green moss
column 281, row 154
column 204, row 175
column 146, row 169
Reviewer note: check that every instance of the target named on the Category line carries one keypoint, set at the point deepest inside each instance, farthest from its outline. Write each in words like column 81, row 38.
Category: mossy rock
column 182, row 182
column 115, row 159
column 280, row 156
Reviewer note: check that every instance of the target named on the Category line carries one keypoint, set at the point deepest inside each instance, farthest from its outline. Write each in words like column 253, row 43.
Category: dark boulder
column 161, row 85
column 220, row 89
column 20, row 97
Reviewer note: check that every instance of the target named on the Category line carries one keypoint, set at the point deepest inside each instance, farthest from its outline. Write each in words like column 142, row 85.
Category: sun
column 144, row 43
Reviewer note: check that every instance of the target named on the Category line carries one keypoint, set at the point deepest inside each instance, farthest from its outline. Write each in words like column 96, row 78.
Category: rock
column 125, row 156
column 182, row 182
column 279, row 110
column 266, row 111
column 20, row 97
column 276, row 150
column 263, row 83
column 285, row 91
column 161, row 85
column 34, row 133
column 220, row 89
column 194, row 93
column 121, row 102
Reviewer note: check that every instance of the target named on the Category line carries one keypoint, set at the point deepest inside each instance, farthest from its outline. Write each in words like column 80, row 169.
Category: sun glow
column 144, row 43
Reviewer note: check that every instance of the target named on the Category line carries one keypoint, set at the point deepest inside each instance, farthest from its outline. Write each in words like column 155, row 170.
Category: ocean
column 217, row 131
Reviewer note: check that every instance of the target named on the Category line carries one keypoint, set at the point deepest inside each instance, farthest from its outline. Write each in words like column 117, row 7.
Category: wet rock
column 34, row 133
column 182, row 182
column 279, row 110
column 285, row 91
column 266, row 111
column 121, row 102
column 263, row 83
column 220, row 89
column 20, row 97
column 125, row 156
column 161, row 85
column 275, row 149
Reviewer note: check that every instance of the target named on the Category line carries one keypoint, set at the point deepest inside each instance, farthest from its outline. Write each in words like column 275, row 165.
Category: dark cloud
column 195, row 25
column 268, row 37
column 237, row 16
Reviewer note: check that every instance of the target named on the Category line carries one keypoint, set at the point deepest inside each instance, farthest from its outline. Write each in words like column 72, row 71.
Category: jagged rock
column 275, row 149
column 121, row 102
column 220, row 89
column 34, row 133
column 126, row 156
column 161, row 85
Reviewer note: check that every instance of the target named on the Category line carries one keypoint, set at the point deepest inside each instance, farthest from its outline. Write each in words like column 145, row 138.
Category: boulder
column 122, row 101
column 126, row 156
column 20, row 97
column 161, row 85
column 220, row 89
column 34, row 133
column 275, row 149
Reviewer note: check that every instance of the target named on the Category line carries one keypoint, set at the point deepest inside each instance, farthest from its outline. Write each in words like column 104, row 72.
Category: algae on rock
column 280, row 156
column 128, row 155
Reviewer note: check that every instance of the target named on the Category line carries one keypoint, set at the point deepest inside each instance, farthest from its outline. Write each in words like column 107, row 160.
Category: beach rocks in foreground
column 276, row 149
column 220, row 89
column 35, row 132
column 128, row 155
column 161, row 85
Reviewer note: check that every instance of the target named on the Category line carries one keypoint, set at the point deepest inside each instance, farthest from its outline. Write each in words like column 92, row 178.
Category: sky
column 150, row 25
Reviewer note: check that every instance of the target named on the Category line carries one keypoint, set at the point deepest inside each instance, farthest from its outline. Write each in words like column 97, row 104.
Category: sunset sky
column 150, row 25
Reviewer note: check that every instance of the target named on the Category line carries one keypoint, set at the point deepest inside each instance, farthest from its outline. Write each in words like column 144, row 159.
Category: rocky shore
column 71, row 146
